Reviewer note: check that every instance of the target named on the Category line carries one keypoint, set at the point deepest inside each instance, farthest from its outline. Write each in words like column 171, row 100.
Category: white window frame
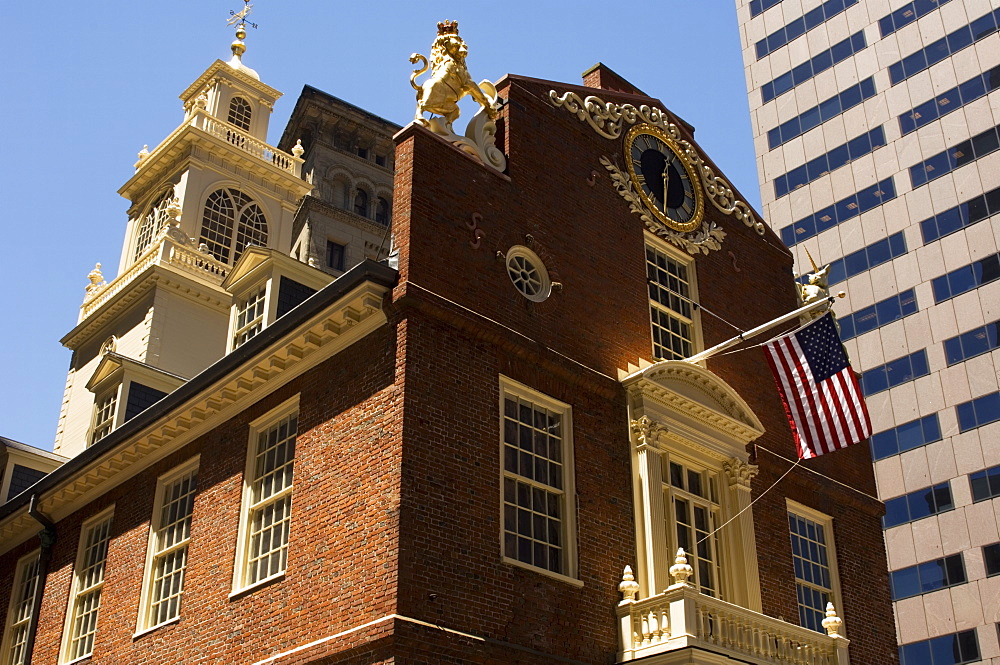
column 568, row 526
column 260, row 296
column 713, row 476
column 694, row 321
column 77, row 594
column 20, row 610
column 241, row 573
column 155, row 552
column 826, row 522
column 111, row 421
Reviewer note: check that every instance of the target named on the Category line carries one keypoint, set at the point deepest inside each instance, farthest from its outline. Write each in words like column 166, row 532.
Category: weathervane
column 241, row 16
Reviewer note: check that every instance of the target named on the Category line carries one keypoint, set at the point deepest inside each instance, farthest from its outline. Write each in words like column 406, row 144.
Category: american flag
column 824, row 404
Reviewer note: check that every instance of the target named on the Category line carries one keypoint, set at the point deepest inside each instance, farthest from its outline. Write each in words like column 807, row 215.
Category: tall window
column 335, row 255
column 361, row 202
column 231, row 222
column 815, row 565
column 151, row 222
column 105, row 410
column 22, row 600
column 88, row 582
column 268, row 497
column 382, row 211
column 671, row 294
column 240, row 113
column 250, row 316
column 691, row 496
column 537, row 480
column 170, row 531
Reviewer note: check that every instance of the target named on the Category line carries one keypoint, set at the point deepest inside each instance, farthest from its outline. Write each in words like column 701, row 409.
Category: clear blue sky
column 86, row 85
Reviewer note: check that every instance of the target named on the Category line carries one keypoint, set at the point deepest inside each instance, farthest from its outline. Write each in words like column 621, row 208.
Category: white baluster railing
column 681, row 617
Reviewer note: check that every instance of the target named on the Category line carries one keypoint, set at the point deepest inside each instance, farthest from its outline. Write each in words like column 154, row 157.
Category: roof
column 23, row 447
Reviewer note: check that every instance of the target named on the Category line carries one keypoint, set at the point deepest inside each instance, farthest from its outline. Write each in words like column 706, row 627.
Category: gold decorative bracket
column 608, row 119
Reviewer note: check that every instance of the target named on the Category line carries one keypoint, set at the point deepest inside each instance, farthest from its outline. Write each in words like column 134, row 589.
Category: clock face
column 666, row 182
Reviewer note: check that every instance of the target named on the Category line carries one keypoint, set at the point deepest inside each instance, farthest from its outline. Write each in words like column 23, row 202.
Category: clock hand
column 666, row 182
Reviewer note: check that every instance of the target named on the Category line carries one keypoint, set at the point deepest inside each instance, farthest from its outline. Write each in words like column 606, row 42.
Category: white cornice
column 221, row 67
column 694, row 402
column 331, row 330
column 154, row 276
column 164, row 159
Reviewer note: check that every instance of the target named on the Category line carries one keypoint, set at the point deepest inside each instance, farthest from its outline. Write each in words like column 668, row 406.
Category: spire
column 239, row 19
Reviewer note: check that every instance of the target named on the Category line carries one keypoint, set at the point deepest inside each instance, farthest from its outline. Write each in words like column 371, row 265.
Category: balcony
column 170, row 248
column 681, row 618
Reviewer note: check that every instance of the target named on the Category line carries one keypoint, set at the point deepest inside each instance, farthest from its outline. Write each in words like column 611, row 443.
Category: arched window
column 382, row 211
column 361, row 202
column 152, row 221
column 232, row 222
column 240, row 112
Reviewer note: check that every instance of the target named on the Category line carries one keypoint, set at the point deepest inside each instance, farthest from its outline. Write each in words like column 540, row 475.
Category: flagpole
column 742, row 337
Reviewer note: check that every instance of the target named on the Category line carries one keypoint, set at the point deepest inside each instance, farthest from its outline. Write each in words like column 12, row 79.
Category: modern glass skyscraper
column 877, row 131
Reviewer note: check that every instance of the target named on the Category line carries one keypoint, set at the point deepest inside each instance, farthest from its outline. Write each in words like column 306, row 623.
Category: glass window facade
column 907, row 436
column 955, row 41
column 928, row 576
column 867, row 258
column 895, row 372
column 906, row 15
column 760, row 6
column 918, row 505
column 985, row 484
column 820, row 113
column 801, row 26
column 965, row 214
column 973, row 343
column 966, row 278
column 881, row 313
column 810, row 68
column 847, row 208
column 953, row 649
column 830, row 161
column 978, row 412
column 954, row 157
column 951, row 100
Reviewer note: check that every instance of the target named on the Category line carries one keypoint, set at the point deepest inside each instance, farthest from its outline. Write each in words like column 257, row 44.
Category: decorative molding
column 740, row 473
column 647, row 432
column 608, row 118
column 708, row 237
column 354, row 316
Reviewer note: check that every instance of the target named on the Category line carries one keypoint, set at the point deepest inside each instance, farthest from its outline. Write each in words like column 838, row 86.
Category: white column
column 653, row 548
column 744, row 548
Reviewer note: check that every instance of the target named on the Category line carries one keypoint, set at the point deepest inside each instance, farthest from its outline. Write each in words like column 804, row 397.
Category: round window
column 528, row 274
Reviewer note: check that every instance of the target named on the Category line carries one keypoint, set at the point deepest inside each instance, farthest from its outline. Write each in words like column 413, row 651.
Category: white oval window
column 528, row 273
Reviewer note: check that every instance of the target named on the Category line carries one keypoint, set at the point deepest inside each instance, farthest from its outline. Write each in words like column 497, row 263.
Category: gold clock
column 666, row 182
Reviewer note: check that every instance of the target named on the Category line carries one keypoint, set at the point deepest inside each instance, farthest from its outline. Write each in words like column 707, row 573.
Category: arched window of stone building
column 361, row 202
column 240, row 112
column 382, row 211
column 231, row 222
column 152, row 221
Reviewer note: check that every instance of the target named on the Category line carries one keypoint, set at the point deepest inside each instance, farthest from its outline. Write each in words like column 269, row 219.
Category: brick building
column 487, row 449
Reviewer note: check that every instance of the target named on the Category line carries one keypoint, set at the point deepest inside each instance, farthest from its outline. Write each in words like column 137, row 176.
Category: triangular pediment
column 689, row 393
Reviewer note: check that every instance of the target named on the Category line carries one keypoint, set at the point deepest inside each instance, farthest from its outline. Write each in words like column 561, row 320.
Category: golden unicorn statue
column 449, row 81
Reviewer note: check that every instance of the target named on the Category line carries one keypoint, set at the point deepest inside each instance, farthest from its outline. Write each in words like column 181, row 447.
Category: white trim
column 162, row 482
column 826, row 522
column 568, row 518
column 240, row 585
column 17, row 582
column 105, row 515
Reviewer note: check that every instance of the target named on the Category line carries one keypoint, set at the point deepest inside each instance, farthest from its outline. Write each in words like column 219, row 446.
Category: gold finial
column 239, row 19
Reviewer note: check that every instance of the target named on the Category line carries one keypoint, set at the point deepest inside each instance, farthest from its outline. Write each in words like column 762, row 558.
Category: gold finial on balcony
column 628, row 587
column 96, row 282
column 832, row 622
column 681, row 571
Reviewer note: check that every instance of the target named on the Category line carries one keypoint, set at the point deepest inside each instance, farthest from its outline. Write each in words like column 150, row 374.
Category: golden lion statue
column 449, row 81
